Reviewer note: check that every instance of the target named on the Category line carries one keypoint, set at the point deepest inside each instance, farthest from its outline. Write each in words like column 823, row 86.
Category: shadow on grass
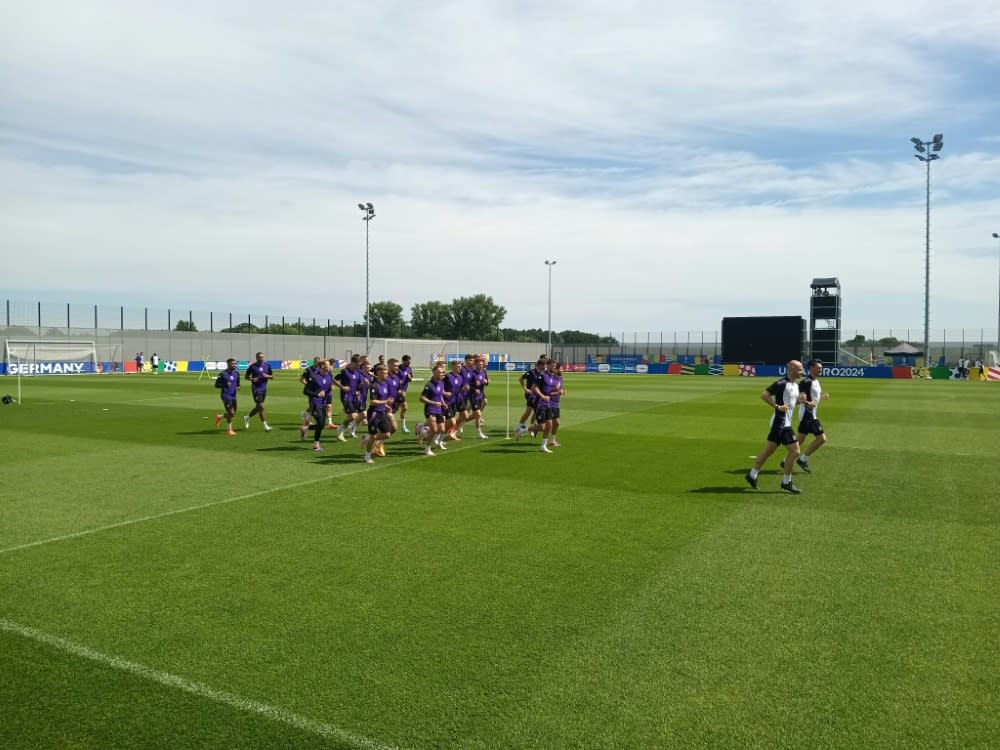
column 514, row 449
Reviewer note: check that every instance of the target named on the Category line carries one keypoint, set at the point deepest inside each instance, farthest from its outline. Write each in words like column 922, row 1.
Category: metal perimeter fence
column 120, row 331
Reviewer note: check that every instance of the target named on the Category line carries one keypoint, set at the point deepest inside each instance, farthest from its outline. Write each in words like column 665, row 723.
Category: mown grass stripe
column 201, row 690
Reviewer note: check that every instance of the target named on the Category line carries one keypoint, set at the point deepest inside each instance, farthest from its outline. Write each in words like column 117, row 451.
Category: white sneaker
column 246, row 422
column 428, row 452
column 406, row 429
column 483, row 437
column 341, row 438
column 442, row 446
column 369, row 459
column 267, row 427
column 544, row 449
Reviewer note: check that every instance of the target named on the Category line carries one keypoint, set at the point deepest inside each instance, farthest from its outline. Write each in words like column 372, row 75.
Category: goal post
column 31, row 357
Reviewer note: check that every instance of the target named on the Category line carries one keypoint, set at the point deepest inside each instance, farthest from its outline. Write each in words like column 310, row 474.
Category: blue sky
column 679, row 163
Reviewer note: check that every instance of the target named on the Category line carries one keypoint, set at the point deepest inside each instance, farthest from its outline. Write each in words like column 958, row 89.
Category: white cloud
column 680, row 162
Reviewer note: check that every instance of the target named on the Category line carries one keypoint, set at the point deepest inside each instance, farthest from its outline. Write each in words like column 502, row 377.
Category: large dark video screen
column 769, row 340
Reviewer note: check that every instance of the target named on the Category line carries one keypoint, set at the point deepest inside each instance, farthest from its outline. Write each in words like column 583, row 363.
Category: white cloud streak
column 681, row 163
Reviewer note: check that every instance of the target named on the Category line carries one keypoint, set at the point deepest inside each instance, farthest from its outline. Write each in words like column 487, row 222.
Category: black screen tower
column 824, row 320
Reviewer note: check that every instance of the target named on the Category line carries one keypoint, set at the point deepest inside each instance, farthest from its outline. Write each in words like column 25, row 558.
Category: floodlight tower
column 550, row 263
column 935, row 144
column 368, row 211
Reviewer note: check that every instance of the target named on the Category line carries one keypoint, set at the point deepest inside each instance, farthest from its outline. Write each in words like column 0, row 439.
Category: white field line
column 363, row 467
column 201, row 690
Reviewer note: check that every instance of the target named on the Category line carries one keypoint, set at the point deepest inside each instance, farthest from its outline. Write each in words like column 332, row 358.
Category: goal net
column 423, row 352
column 26, row 357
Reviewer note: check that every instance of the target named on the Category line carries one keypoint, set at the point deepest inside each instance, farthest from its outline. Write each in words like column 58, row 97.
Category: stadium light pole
column 369, row 213
column 927, row 152
column 997, row 238
column 550, row 263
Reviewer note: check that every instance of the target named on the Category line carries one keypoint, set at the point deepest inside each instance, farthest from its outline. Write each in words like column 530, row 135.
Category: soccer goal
column 423, row 352
column 30, row 357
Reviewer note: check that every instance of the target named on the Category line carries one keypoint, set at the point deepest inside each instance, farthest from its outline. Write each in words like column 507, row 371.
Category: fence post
column 67, row 318
column 211, row 322
column 169, row 322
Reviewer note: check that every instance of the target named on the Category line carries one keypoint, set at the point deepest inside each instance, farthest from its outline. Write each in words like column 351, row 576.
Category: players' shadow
column 743, row 472
column 727, row 490
column 283, row 448
column 513, row 449
column 210, row 431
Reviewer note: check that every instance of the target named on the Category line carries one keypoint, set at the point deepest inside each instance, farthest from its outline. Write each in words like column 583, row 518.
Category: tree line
column 477, row 318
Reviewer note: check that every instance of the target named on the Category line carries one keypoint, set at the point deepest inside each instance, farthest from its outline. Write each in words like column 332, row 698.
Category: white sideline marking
column 362, row 467
column 196, row 688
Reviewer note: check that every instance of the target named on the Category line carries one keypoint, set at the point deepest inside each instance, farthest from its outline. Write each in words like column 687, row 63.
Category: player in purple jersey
column 304, row 377
column 367, row 378
column 543, row 390
column 434, row 400
column 405, row 377
column 348, row 380
column 228, row 382
column 558, row 390
column 455, row 387
column 527, row 381
column 317, row 389
column 477, row 394
column 259, row 373
column 392, row 379
column 782, row 396
column 379, row 407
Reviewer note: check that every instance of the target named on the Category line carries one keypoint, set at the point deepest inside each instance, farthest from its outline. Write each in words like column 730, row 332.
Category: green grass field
column 164, row 585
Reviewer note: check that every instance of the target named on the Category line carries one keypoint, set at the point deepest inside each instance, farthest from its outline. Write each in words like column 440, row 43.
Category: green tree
column 888, row 341
column 430, row 319
column 386, row 318
column 246, row 327
column 476, row 317
column 858, row 340
column 185, row 325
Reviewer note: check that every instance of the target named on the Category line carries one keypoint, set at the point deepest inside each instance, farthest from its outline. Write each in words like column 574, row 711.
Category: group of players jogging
column 783, row 395
column 375, row 397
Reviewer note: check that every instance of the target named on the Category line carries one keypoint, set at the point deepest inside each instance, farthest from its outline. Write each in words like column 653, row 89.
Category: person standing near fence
column 228, row 384
column 258, row 373
column 138, row 362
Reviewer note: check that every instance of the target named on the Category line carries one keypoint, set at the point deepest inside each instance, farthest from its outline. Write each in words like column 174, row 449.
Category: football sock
column 753, row 473
column 788, row 478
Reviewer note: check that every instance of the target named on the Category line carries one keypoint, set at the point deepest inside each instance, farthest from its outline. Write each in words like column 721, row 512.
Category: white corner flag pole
column 508, row 366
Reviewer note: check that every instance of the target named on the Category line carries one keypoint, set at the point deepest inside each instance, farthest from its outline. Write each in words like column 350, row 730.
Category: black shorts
column 463, row 404
column 542, row 413
column 554, row 412
column 400, row 397
column 810, row 426
column 350, row 405
column 530, row 399
column 378, row 421
column 449, row 412
column 781, row 435
column 259, row 396
column 438, row 418
column 476, row 402
column 229, row 405
column 317, row 410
